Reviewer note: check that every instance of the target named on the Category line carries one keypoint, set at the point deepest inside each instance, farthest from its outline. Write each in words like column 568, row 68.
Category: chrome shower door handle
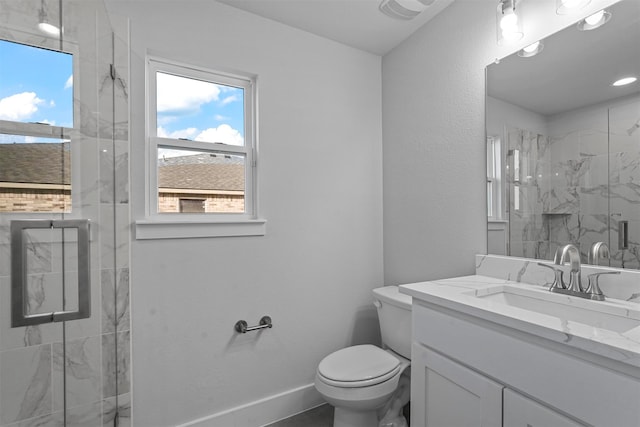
column 19, row 297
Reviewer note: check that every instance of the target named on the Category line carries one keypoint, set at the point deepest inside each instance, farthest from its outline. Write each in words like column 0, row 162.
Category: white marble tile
column 85, row 415
column 124, row 410
column 115, row 300
column 116, row 367
column 25, row 383
column 76, row 365
column 115, row 219
column 49, row 420
column 41, row 300
column 121, row 171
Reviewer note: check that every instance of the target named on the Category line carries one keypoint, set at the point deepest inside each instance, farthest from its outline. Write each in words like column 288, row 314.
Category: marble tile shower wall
column 33, row 360
column 577, row 187
column 597, row 166
column 528, row 192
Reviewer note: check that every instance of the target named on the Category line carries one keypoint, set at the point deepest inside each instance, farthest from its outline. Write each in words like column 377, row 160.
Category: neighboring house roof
column 50, row 163
column 35, row 163
column 202, row 171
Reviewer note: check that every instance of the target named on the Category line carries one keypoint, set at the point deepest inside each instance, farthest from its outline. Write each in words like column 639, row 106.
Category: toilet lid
column 358, row 363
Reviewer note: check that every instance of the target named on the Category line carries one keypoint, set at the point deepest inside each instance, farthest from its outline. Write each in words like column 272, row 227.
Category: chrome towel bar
column 242, row 328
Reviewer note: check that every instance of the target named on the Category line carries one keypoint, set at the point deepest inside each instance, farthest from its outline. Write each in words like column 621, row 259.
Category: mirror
column 563, row 144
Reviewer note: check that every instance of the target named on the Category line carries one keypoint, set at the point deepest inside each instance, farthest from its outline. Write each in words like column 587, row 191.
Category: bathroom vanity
column 510, row 353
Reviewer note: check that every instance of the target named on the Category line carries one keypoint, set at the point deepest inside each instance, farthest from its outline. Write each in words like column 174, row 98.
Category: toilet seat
column 358, row 366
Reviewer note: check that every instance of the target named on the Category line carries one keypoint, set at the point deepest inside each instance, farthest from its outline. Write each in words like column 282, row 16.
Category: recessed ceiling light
column 625, row 81
column 594, row 21
column 404, row 9
column 531, row 50
column 49, row 29
column 564, row 7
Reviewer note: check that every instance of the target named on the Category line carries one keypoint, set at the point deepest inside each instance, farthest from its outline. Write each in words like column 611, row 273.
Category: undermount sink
column 615, row 316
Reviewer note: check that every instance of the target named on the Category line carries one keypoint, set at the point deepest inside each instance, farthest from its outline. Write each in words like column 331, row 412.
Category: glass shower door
column 58, row 217
column 624, row 188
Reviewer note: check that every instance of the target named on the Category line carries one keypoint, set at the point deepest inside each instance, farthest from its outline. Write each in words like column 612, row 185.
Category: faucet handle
column 593, row 289
column 558, row 282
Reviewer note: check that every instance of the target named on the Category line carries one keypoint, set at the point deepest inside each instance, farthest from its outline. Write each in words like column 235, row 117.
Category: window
column 36, row 123
column 201, row 147
column 494, row 178
column 192, row 205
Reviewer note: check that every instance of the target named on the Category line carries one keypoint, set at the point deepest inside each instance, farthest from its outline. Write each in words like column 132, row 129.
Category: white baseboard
column 264, row 411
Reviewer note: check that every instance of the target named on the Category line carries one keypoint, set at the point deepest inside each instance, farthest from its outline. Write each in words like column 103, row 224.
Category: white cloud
column 69, row 82
column 19, row 106
column 229, row 100
column 179, row 94
column 177, row 134
column 220, row 117
column 223, row 133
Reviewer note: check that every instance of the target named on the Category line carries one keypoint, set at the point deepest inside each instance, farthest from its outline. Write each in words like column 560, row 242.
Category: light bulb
column 532, row 50
column 509, row 21
column 595, row 18
column 625, row 81
column 532, row 47
column 509, row 24
column 49, row 29
column 570, row 4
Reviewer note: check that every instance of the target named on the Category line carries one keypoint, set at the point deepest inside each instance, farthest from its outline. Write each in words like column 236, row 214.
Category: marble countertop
column 464, row 294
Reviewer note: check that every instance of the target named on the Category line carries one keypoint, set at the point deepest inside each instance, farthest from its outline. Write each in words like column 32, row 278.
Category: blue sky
column 36, row 85
column 199, row 110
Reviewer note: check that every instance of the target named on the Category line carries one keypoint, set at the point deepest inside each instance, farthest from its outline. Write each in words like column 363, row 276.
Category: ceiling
column 576, row 68
column 356, row 23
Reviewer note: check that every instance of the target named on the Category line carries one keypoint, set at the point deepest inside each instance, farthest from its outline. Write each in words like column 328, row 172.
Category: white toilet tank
column 394, row 313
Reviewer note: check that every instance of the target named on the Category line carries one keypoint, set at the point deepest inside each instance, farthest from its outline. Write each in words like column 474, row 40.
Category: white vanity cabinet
column 444, row 393
column 518, row 411
column 470, row 371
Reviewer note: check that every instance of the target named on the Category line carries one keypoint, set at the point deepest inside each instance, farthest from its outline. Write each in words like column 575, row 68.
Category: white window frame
column 158, row 225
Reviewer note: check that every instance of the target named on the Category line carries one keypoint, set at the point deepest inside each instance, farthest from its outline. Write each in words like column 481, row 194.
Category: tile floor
column 322, row 416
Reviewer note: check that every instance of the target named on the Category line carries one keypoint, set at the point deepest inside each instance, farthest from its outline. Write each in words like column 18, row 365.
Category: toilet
column 365, row 383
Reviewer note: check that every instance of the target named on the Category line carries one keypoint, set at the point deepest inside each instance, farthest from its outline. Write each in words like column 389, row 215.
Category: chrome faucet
column 598, row 249
column 571, row 254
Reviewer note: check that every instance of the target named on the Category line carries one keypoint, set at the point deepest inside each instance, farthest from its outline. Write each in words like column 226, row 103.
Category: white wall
column 433, row 136
column 500, row 113
column 320, row 173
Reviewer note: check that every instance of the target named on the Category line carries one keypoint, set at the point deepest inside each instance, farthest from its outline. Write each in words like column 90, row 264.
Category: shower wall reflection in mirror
column 563, row 144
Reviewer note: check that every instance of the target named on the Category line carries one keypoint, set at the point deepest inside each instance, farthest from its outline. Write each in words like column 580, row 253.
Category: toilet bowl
column 362, row 381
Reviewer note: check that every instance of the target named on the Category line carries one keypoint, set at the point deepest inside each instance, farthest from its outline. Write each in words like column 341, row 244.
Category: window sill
column 148, row 229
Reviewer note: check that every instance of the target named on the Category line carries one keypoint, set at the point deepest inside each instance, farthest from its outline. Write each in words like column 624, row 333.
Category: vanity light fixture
column 404, row 9
column 624, row 81
column 509, row 22
column 594, row 21
column 44, row 24
column 532, row 50
column 564, row 7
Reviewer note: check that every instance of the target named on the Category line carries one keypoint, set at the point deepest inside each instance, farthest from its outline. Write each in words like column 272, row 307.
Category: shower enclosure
column 64, row 257
column 579, row 184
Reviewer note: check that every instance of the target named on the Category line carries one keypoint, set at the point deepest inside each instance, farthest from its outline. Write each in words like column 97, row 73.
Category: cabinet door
column 522, row 412
column 446, row 394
